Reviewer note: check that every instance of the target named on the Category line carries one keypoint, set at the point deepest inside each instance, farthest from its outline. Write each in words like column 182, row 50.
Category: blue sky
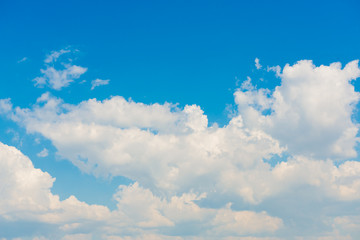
column 154, row 96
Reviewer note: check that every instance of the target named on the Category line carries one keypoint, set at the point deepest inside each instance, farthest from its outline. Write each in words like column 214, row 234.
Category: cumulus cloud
column 99, row 82
column 198, row 179
column 146, row 210
column 310, row 111
column 29, row 198
column 28, row 195
column 56, row 78
column 162, row 147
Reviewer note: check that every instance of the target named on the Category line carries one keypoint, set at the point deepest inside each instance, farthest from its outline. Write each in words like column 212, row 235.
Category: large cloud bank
column 192, row 180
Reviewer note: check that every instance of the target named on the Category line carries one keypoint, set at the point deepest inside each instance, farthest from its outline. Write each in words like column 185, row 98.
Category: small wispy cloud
column 57, row 78
column 247, row 85
column 99, row 82
column 257, row 63
column 22, row 60
column 275, row 69
column 54, row 55
column 43, row 153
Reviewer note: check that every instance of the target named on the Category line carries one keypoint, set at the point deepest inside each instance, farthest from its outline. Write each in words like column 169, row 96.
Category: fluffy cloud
column 28, row 197
column 197, row 179
column 163, row 148
column 58, row 78
column 139, row 207
column 174, row 151
column 310, row 111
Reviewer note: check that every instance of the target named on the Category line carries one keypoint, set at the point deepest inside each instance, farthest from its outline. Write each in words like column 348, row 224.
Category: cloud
column 29, row 198
column 311, row 111
column 22, row 60
column 28, row 195
column 275, row 69
column 257, row 64
column 161, row 147
column 43, row 153
column 79, row 236
column 276, row 158
column 346, row 225
column 54, row 55
column 143, row 209
column 5, row 105
column 99, row 82
column 58, row 78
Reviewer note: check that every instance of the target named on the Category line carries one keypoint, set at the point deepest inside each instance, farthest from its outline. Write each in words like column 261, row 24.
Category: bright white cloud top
column 283, row 163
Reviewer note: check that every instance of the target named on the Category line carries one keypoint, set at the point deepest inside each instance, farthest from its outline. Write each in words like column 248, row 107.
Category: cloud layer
column 273, row 169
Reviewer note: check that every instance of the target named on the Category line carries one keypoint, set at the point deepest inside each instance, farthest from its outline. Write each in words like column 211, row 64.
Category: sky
column 125, row 120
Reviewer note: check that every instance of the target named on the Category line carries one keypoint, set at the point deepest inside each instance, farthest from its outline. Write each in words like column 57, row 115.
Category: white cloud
column 247, row 85
column 58, row 78
column 5, row 105
column 311, row 110
column 173, row 150
column 345, row 226
column 276, row 69
column 244, row 222
column 22, row 60
column 138, row 207
column 186, row 173
column 29, row 198
column 28, row 195
column 99, row 82
column 54, row 55
column 43, row 153
column 79, row 236
column 257, row 64
column 161, row 147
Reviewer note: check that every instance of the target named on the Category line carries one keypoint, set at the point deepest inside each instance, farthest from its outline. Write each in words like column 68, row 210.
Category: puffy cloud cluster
column 168, row 150
column 28, row 197
column 197, row 180
column 310, row 112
